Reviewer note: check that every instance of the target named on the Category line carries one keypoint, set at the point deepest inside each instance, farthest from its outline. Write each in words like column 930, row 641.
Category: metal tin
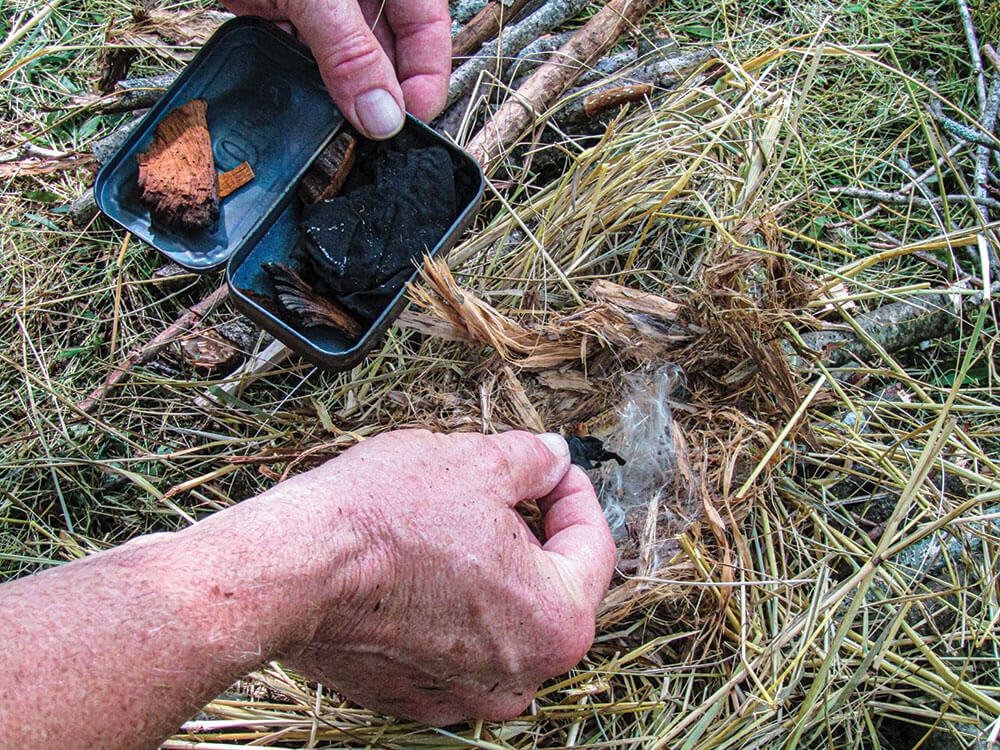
column 267, row 105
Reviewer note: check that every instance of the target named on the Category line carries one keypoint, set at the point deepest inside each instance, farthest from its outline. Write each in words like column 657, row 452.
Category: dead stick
column 992, row 56
column 587, row 102
column 893, row 327
column 977, row 61
column 484, row 26
column 554, row 77
column 183, row 324
column 903, row 200
column 987, row 247
column 515, row 38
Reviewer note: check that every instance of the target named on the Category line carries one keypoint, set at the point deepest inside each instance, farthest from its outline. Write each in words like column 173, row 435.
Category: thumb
column 355, row 68
column 532, row 465
column 578, row 536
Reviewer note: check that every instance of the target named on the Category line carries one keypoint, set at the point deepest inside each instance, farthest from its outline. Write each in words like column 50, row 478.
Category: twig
column 485, row 25
column 915, row 181
column 945, row 266
column 588, row 102
column 992, row 56
column 893, row 327
column 35, row 166
column 554, row 77
column 988, row 124
column 536, row 53
column 515, row 38
column 973, row 42
column 965, row 132
column 932, row 170
column 182, row 325
column 904, row 200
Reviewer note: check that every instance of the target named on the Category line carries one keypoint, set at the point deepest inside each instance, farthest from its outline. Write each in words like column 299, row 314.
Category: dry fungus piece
column 234, row 179
column 588, row 452
column 326, row 175
column 177, row 175
column 209, row 350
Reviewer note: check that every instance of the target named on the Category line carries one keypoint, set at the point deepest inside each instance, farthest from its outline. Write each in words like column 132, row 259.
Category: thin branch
column 485, row 25
column 901, row 199
column 992, row 56
column 965, row 132
column 552, row 79
column 988, row 125
column 977, row 61
column 182, row 325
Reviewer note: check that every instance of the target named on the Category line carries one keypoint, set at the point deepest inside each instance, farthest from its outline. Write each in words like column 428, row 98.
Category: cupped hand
column 457, row 611
column 377, row 57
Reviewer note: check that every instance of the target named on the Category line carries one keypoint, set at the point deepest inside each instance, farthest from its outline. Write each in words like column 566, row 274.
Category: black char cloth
column 361, row 245
column 588, row 451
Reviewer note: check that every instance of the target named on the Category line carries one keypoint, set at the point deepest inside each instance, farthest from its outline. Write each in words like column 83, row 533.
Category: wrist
column 276, row 568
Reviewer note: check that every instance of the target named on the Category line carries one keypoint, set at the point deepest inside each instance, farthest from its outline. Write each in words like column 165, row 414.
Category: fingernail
column 555, row 443
column 380, row 116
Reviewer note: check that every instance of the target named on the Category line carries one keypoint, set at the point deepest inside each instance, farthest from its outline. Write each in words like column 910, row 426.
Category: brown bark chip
column 177, row 174
column 328, row 172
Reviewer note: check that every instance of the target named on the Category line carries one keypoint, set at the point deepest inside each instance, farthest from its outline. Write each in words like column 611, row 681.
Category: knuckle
column 422, row 28
column 503, row 466
column 354, row 54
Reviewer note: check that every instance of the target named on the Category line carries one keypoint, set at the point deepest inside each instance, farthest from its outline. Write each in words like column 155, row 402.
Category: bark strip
column 181, row 326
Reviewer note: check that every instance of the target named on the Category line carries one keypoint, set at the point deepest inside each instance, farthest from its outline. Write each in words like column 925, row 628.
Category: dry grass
column 834, row 584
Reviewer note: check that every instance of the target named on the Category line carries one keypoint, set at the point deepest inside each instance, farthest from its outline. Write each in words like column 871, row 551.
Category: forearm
column 118, row 649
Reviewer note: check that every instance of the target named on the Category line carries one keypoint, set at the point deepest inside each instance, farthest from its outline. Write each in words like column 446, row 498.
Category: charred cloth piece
column 360, row 247
column 177, row 174
column 588, row 451
column 309, row 308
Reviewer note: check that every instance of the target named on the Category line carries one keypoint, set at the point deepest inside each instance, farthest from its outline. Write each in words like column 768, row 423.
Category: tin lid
column 267, row 105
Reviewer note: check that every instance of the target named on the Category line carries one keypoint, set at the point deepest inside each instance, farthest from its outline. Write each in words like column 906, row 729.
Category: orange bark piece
column 177, row 174
column 234, row 179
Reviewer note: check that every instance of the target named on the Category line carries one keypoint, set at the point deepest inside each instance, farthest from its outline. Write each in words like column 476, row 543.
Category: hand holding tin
column 377, row 57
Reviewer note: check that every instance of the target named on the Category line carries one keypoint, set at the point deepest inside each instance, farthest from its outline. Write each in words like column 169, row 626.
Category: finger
column 528, row 466
column 353, row 64
column 422, row 32
column 578, row 535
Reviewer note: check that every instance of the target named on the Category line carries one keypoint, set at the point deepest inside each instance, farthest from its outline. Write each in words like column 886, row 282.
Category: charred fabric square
column 358, row 248
column 588, row 451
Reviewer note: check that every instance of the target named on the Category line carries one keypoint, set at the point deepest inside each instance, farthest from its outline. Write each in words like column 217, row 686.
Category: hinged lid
column 267, row 105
